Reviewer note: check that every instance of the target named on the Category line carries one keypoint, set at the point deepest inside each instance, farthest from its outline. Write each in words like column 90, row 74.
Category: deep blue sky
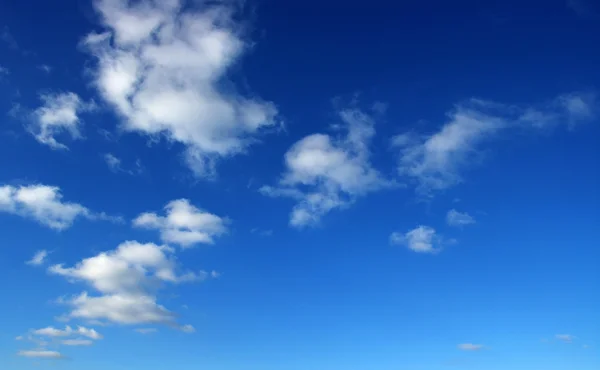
column 385, row 278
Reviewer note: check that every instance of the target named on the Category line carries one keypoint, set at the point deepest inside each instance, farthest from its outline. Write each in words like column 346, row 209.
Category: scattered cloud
column 4, row 71
column 435, row 162
column 422, row 239
column 44, row 67
column 68, row 331
column 183, row 224
column 58, row 114
column 146, row 330
column 188, row 329
column 7, row 38
column 455, row 218
column 470, row 347
column 114, row 164
column 127, row 279
column 567, row 338
column 44, row 204
column 38, row 258
column 261, row 232
column 40, row 354
column 162, row 65
column 77, row 342
column 324, row 173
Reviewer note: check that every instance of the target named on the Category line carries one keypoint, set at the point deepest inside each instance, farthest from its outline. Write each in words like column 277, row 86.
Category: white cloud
column 38, row 258
column 188, row 329
column 324, row 172
column 470, row 347
column 40, row 354
column 44, row 67
column 184, row 224
column 435, row 162
column 422, row 239
column 44, row 204
column 114, row 164
column 567, row 338
column 455, row 218
column 59, row 113
column 4, row 71
column 68, row 331
column 161, row 66
column 77, row 342
column 146, row 330
column 127, row 278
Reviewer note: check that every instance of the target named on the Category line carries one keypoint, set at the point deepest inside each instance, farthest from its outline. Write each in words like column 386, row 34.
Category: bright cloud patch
column 127, row 279
column 44, row 204
column 434, row 162
column 183, row 224
column 161, row 65
column 40, row 354
column 324, row 172
column 38, row 258
column 455, row 218
column 422, row 239
column 68, row 331
column 59, row 114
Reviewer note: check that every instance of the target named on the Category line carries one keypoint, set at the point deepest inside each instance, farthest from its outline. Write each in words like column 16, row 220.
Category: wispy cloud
column 38, row 258
column 567, row 338
column 422, row 239
column 470, row 347
column 146, row 330
column 434, row 162
column 114, row 164
column 455, row 218
column 40, row 354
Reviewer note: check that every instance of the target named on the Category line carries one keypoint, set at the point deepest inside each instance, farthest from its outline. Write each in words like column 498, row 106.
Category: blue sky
column 299, row 185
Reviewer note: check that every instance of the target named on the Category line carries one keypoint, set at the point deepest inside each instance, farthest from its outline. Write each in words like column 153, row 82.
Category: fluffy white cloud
column 127, row 279
column 161, row 66
column 324, row 172
column 567, row 338
column 38, row 258
column 455, row 218
column 183, row 224
column 434, row 162
column 470, row 347
column 422, row 239
column 44, row 204
column 59, row 113
column 40, row 354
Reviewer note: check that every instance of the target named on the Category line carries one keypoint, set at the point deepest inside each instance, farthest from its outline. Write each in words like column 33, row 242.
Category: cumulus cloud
column 567, row 338
column 127, row 279
column 162, row 67
column 183, row 224
column 422, row 239
column 324, row 172
column 58, row 114
column 470, row 347
column 44, row 204
column 434, row 162
column 41, row 353
column 38, row 258
column 455, row 218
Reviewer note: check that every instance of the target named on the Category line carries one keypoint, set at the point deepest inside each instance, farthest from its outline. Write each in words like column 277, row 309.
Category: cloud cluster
column 58, row 114
column 162, row 67
column 324, row 172
column 183, row 224
column 434, row 162
column 44, row 204
column 81, row 336
column 127, row 279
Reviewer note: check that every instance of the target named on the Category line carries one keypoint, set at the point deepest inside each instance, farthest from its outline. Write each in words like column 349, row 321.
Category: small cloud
column 4, row 71
column 455, row 218
column 422, row 239
column 261, row 232
column 215, row 274
column 114, row 164
column 40, row 354
column 20, row 337
column 145, row 330
column 38, row 258
column 7, row 37
column 77, row 342
column 586, row 346
column 44, row 67
column 188, row 329
column 584, row 8
column 470, row 347
column 567, row 338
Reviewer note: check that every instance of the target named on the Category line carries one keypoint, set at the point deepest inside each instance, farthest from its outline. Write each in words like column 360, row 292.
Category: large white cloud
column 44, row 204
column 183, row 224
column 324, row 172
column 434, row 162
column 59, row 113
column 127, row 279
column 162, row 67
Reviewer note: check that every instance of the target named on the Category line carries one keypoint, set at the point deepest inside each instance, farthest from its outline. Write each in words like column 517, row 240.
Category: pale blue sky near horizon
column 300, row 185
